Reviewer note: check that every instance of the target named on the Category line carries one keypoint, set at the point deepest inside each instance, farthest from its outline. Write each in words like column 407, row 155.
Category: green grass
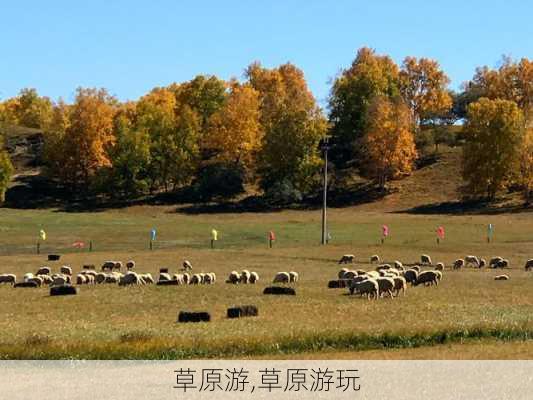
column 140, row 322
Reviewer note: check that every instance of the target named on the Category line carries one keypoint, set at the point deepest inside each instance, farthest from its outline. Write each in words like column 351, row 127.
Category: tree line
column 216, row 137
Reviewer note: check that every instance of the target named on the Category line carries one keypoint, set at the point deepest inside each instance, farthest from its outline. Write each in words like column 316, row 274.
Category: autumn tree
column 173, row 130
column 423, row 86
column 525, row 178
column 388, row 142
column 6, row 170
column 370, row 75
column 27, row 109
column 234, row 132
column 494, row 132
column 87, row 137
column 293, row 126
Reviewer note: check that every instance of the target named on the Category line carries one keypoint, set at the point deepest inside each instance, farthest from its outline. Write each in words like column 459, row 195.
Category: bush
column 283, row 192
column 219, row 180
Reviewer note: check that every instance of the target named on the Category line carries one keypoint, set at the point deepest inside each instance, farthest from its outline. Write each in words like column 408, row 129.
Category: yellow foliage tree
column 423, row 86
column 388, row 142
column 87, row 136
column 235, row 131
column 494, row 132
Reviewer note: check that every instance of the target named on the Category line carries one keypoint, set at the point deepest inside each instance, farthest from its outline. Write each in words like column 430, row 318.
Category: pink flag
column 78, row 244
column 440, row 232
column 385, row 229
column 271, row 235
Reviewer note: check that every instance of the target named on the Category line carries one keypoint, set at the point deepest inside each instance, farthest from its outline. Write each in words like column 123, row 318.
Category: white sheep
column 234, row 277
column 350, row 275
column 130, row 265
column 163, row 276
column 89, row 279
column 44, row 271
column 400, row 285
column 112, row 278
column 100, row 277
column 372, row 274
column 196, row 279
column 501, row 278
column 529, row 265
column 459, row 263
column 293, row 277
column 81, row 279
column 386, row 285
column 425, row 259
column 367, row 287
column 210, row 278
column 347, row 258
column 383, row 267
column 28, row 276
column 254, row 277
column 429, row 278
column 245, row 276
column 494, row 260
column 109, row 265
column 130, row 278
column 65, row 270
column 398, row 264
column 482, row 263
column 186, row 278
column 439, row 266
column 503, row 263
column 47, row 279
column 374, row 259
column 148, row 279
column 282, row 277
column 342, row 272
column 187, row 266
column 471, row 260
column 8, row 278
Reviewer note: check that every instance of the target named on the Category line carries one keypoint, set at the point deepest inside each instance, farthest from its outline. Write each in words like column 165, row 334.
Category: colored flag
column 385, row 230
column 78, row 244
column 490, row 229
column 153, row 233
column 214, row 234
column 271, row 235
column 440, row 232
column 42, row 234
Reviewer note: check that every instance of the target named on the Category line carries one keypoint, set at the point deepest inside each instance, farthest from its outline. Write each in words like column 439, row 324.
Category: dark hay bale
column 243, row 311
column 53, row 257
column 188, row 316
column 26, row 284
column 338, row 284
column 163, row 270
column 89, row 266
column 167, row 283
column 64, row 290
column 279, row 290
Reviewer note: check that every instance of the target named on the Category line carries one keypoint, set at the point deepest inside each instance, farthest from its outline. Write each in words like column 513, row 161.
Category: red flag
column 440, row 232
column 385, row 229
column 271, row 235
column 78, row 244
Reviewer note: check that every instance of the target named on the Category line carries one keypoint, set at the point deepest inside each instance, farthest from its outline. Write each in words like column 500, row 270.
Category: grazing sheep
column 186, row 278
column 459, row 263
column 89, row 279
column 400, row 285
column 112, row 278
column 494, row 260
column 65, row 270
column 501, row 278
column 502, row 263
column 44, row 271
column 130, row 278
column 471, row 260
column 147, row 278
column 428, row 278
column 210, row 278
column 439, row 266
column 38, row 281
column 234, row 277
column 47, row 279
column 386, row 285
column 202, row 277
column 482, row 263
column 118, row 265
column 293, row 276
column 164, row 276
column 367, row 287
column 254, row 277
column 360, row 272
column 398, row 264
column 529, row 265
column 130, row 265
column 374, row 259
column 383, row 267
column 81, row 279
column 373, row 274
column 245, row 276
column 90, row 273
column 439, row 275
column 350, row 275
column 411, row 275
column 347, row 258
column 187, row 266
column 282, row 277
column 196, row 279
column 425, row 259
column 108, row 265
column 89, row 266
column 416, row 268
column 100, row 277
column 342, row 272
column 8, row 278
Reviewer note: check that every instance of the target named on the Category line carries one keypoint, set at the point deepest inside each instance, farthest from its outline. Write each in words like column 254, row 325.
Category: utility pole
column 325, row 148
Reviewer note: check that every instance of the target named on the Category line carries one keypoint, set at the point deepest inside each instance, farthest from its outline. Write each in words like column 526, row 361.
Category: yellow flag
column 42, row 234
column 214, row 234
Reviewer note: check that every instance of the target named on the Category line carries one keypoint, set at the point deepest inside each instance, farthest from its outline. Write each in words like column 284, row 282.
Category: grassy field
column 140, row 322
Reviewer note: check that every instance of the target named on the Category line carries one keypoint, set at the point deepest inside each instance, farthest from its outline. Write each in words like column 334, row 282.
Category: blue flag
column 152, row 234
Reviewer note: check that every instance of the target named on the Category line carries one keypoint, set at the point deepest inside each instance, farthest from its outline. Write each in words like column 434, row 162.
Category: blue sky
column 131, row 46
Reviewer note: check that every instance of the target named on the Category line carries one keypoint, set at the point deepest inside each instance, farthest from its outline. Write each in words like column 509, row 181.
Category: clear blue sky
column 131, row 46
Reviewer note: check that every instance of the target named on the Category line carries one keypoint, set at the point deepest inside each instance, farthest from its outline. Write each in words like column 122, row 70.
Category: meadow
column 467, row 310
